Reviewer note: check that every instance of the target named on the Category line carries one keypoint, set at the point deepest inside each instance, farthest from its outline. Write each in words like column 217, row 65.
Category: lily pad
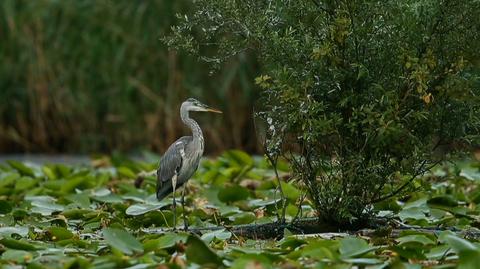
column 122, row 240
column 198, row 252
column 219, row 234
column 354, row 247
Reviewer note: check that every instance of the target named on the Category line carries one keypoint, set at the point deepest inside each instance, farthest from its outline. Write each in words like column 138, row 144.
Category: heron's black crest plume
column 193, row 100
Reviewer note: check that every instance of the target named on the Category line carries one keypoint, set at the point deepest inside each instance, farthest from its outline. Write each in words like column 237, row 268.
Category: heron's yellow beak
column 209, row 109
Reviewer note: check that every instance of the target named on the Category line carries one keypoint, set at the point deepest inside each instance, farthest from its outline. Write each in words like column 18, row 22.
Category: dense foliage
column 83, row 76
column 91, row 216
column 355, row 92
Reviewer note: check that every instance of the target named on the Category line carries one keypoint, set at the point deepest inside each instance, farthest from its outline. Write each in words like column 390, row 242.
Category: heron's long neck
column 193, row 125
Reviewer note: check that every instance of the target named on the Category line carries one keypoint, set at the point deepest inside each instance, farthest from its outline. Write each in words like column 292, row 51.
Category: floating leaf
column 71, row 184
column 233, row 193
column 5, row 207
column 319, row 249
column 439, row 252
column 354, row 247
column 80, row 199
column 469, row 259
column 165, row 241
column 251, row 261
column 442, row 200
column 49, row 173
column 22, row 168
column 139, row 209
column 110, row 198
column 198, row 252
column 238, row 158
column 456, row 243
column 59, row 233
column 8, row 231
column 363, row 261
column 25, row 183
column 219, row 234
column 17, row 244
column 412, row 213
column 19, row 256
column 46, row 207
column 126, row 172
column 242, row 218
column 122, row 240
column 415, row 238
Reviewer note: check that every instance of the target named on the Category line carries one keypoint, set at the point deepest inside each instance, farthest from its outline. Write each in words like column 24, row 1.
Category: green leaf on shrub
column 290, row 191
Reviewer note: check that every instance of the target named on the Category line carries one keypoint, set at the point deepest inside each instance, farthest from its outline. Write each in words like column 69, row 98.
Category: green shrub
column 360, row 96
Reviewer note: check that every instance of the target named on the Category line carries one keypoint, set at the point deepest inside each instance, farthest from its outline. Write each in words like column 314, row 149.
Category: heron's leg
column 185, row 223
column 174, row 186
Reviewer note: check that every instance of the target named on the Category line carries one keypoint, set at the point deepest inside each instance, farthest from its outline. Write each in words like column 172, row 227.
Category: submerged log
column 313, row 227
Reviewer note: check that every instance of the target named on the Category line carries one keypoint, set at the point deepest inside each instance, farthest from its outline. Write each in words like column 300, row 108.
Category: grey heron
column 181, row 159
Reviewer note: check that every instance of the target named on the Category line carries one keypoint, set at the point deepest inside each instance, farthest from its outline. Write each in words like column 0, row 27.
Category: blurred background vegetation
column 94, row 76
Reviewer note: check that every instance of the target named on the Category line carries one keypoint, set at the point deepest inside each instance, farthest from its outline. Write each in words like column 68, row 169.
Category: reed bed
column 94, row 76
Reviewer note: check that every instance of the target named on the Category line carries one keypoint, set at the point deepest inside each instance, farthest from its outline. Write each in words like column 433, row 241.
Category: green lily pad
column 122, row 240
column 8, row 231
column 354, row 247
column 59, row 233
column 5, row 207
column 17, row 244
column 415, row 238
column 165, row 241
column 198, row 252
column 19, row 256
column 219, row 234
column 233, row 193
column 21, row 168
column 140, row 209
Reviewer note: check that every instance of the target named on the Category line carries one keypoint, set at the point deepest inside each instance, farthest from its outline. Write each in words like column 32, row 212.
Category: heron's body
column 181, row 159
column 184, row 159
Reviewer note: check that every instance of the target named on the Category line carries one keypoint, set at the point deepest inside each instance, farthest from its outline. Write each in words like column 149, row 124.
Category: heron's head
column 192, row 104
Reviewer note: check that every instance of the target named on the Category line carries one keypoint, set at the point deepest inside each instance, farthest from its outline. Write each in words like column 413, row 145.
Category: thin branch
column 273, row 161
column 401, row 188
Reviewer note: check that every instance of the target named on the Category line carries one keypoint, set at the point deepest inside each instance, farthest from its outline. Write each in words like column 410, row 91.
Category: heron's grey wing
column 170, row 166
